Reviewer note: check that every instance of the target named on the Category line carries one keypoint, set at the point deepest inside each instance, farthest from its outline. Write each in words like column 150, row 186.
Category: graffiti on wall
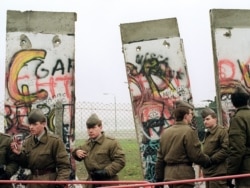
column 40, row 78
column 233, row 66
column 157, row 79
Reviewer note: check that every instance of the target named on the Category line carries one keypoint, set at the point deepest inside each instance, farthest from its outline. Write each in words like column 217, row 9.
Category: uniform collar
column 40, row 136
column 180, row 123
column 243, row 107
column 43, row 137
column 98, row 140
column 213, row 130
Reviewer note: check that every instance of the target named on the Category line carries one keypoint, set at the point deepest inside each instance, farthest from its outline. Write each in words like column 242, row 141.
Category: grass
column 133, row 167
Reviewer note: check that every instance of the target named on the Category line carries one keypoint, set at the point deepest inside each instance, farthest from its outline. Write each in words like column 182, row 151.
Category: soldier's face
column 189, row 116
column 209, row 121
column 37, row 128
column 94, row 132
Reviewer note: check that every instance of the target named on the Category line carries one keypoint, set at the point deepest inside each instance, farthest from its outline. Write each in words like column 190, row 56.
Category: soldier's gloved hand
column 159, row 186
column 158, row 181
column 2, row 169
column 59, row 186
column 4, row 176
column 207, row 164
column 100, row 174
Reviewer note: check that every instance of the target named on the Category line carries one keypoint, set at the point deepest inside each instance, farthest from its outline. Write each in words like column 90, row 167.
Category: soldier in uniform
column 215, row 145
column 43, row 153
column 179, row 149
column 102, row 155
column 239, row 138
column 8, row 167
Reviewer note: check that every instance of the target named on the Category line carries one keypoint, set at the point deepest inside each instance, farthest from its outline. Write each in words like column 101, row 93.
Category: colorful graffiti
column 33, row 82
column 231, row 75
column 155, row 86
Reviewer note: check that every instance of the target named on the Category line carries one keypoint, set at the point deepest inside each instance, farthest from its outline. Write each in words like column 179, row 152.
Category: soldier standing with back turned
column 239, row 138
column 179, row 149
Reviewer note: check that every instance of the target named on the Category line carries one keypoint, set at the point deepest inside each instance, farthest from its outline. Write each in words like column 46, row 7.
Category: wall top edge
column 41, row 22
column 148, row 30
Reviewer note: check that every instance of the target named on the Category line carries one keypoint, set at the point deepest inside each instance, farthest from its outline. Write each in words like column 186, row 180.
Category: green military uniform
column 215, row 145
column 104, row 153
column 175, row 163
column 9, row 165
column 47, row 159
column 239, row 144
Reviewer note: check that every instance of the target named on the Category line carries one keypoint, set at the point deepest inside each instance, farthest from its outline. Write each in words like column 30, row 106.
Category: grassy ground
column 132, row 170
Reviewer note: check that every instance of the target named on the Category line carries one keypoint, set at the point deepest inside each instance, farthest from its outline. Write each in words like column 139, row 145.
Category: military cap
column 36, row 115
column 181, row 103
column 240, row 97
column 206, row 112
column 93, row 120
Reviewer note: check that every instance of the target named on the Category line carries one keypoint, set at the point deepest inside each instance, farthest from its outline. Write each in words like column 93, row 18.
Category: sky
column 99, row 61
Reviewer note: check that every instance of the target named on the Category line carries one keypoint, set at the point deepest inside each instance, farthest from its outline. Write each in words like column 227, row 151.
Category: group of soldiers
column 224, row 151
column 45, row 155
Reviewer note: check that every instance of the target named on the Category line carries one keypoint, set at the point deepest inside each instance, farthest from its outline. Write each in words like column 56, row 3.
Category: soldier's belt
column 180, row 163
column 39, row 172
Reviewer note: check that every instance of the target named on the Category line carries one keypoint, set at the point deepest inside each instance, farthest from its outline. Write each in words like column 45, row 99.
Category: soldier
column 43, row 153
column 8, row 167
column 102, row 155
column 239, row 138
column 215, row 145
column 179, row 149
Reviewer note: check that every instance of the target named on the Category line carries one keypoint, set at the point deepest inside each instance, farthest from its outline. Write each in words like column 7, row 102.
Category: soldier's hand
column 4, row 175
column 60, row 186
column 207, row 164
column 81, row 154
column 158, row 181
column 100, row 174
column 159, row 186
column 2, row 169
column 15, row 147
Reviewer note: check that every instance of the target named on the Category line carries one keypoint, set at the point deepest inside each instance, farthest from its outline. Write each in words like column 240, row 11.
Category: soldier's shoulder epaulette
column 222, row 127
column 6, row 135
column 110, row 137
column 28, row 136
column 167, row 127
column 54, row 136
column 192, row 127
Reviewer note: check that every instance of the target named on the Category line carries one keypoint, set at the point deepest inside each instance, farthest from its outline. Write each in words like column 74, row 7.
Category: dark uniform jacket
column 104, row 153
column 239, row 144
column 215, row 145
column 48, row 158
column 5, row 151
column 179, row 148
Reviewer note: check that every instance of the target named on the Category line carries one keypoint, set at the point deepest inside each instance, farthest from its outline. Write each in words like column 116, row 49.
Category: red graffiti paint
column 226, row 69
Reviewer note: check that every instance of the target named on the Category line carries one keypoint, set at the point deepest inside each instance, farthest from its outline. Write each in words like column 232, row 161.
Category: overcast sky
column 100, row 66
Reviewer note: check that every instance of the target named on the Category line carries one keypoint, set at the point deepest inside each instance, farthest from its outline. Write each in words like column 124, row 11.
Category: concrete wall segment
column 228, row 18
column 149, row 30
column 41, row 22
column 230, row 31
column 157, row 77
column 40, row 61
